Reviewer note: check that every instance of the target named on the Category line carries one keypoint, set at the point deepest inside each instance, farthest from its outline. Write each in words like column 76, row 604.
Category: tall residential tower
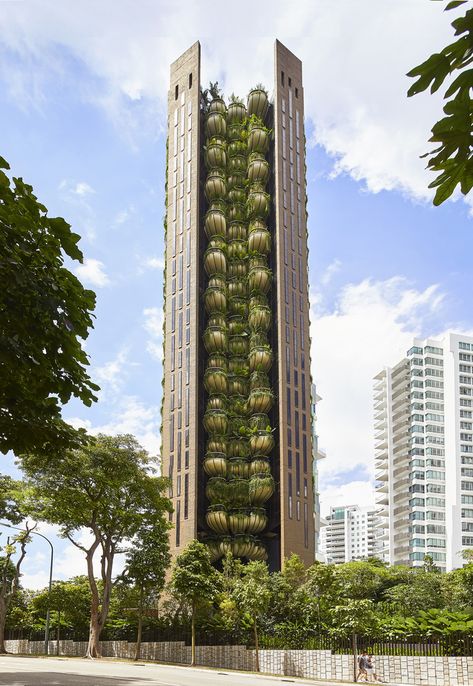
column 424, row 454
column 236, row 419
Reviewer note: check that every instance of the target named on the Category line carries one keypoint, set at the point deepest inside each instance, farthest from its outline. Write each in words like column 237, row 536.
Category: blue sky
column 82, row 118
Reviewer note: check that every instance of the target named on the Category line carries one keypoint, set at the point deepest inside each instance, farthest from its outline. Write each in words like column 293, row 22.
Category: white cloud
column 370, row 326
column 355, row 58
column 352, row 493
column 153, row 324
column 83, row 188
column 332, row 269
column 92, row 272
column 110, row 376
column 154, row 263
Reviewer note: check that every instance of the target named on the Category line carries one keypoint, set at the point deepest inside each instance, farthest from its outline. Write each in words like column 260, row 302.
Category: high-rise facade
column 424, row 454
column 348, row 534
column 236, row 418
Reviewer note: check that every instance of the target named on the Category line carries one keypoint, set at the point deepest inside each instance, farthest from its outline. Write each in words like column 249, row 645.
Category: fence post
column 355, row 656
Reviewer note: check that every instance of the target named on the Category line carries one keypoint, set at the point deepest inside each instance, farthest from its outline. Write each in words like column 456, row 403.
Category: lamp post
column 48, row 610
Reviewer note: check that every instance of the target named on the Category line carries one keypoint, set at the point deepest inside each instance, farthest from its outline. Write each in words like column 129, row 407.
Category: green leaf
column 454, row 3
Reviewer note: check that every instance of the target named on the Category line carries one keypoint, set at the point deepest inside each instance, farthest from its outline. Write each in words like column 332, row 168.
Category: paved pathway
column 32, row 671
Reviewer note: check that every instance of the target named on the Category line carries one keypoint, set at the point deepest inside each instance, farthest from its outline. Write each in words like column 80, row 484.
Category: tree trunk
column 3, row 617
column 58, row 631
column 255, row 629
column 355, row 656
column 93, row 646
column 140, row 627
column 193, row 635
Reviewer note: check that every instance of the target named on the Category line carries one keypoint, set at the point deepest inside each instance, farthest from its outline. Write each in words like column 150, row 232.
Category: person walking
column 362, row 661
column 370, row 670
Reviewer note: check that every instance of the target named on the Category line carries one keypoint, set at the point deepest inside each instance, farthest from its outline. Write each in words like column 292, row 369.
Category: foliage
column 354, row 617
column 69, row 604
column 44, row 312
column 108, row 488
column 453, row 158
column 10, row 499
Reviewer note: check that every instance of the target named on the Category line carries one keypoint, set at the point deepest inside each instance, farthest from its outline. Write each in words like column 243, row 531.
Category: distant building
column 423, row 413
column 348, row 534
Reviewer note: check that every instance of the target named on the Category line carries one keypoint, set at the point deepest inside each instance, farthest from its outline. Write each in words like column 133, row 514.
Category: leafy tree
column 10, row 499
column 44, row 312
column 422, row 590
column 453, row 158
column 194, row 581
column 10, row 575
column 252, row 594
column 108, row 488
column 361, row 579
column 352, row 618
column 145, row 567
column 69, row 604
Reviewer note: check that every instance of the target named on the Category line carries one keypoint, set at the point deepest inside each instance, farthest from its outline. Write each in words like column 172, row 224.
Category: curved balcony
column 259, row 552
column 238, row 305
column 236, row 325
column 260, row 400
column 215, row 339
column 215, row 187
column 215, row 464
column 237, row 250
column 237, row 195
column 237, row 385
column 261, row 488
column 218, row 105
column 215, row 300
column 215, row 124
column 237, row 490
column 234, row 132
column 215, row 381
column 258, row 140
column 237, row 286
column 237, row 148
column 258, row 520
column 217, row 519
column 259, row 241
column 261, row 443
column 238, row 521
column 237, row 231
column 258, row 204
column 238, row 345
column 237, row 164
column 218, row 282
column 236, row 181
column 216, row 422
column 259, row 280
column 217, row 444
column 216, row 490
column 237, row 448
column 238, row 468
column 215, row 223
column 260, row 465
column 214, row 550
column 242, row 545
column 259, row 318
column 260, row 359
column 236, row 113
column 237, row 267
column 258, row 169
column 238, row 366
column 217, row 402
column 259, row 422
column 257, row 103
column 237, row 212
column 215, row 261
column 216, row 156
column 217, row 361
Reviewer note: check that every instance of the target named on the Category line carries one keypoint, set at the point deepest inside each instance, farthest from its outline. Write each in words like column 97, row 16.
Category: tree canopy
column 108, row 488
column 44, row 314
column 453, row 134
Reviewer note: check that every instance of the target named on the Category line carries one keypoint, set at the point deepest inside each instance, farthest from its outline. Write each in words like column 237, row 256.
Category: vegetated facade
column 348, row 534
column 424, row 454
column 236, row 416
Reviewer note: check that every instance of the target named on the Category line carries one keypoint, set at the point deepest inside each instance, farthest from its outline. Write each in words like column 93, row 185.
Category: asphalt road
column 31, row 671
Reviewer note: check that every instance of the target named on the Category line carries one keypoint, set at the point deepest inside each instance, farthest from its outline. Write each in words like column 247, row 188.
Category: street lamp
column 46, row 630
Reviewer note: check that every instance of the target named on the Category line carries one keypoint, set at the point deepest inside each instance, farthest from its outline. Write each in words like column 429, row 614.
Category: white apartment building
column 348, row 534
column 423, row 414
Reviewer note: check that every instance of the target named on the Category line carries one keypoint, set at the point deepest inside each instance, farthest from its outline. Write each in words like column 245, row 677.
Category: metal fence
column 442, row 646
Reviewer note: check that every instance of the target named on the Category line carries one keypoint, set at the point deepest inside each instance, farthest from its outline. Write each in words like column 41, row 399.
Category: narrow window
column 297, row 92
column 190, row 81
column 178, row 523
column 176, row 92
column 186, row 496
column 282, row 79
column 289, row 82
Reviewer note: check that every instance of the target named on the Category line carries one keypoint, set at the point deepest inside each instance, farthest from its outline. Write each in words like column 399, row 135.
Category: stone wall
column 311, row 664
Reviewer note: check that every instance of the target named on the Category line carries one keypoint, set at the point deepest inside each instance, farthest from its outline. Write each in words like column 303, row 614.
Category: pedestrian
column 362, row 660
column 370, row 669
